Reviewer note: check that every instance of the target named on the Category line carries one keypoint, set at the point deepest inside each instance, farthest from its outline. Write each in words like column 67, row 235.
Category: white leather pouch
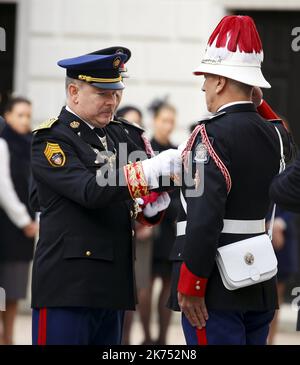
column 250, row 261
column 247, row 262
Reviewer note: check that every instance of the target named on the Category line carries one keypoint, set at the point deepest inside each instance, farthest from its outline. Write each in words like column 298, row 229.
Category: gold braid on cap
column 98, row 79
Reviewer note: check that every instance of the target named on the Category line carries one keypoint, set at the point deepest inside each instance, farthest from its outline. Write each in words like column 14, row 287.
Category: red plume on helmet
column 237, row 32
column 234, row 50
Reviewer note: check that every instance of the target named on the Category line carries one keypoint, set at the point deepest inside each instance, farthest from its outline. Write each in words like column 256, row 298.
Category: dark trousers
column 230, row 328
column 76, row 326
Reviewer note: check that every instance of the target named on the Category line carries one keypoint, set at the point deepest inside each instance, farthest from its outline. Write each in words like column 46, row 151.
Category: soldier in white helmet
column 233, row 157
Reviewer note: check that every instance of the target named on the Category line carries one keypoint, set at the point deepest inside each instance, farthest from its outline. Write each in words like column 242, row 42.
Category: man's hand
column 167, row 163
column 194, row 309
column 30, row 230
column 162, row 203
column 278, row 234
column 278, row 238
column 143, row 232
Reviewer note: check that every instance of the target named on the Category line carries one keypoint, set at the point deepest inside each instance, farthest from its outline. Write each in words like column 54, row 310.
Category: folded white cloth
column 159, row 205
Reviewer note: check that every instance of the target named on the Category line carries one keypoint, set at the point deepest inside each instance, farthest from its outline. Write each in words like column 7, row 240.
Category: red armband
column 136, row 181
column 190, row 284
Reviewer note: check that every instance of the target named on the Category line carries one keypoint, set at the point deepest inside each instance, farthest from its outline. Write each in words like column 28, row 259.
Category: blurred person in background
column 143, row 249
column 285, row 191
column 131, row 114
column 164, row 121
column 2, row 124
column 17, row 225
column 285, row 245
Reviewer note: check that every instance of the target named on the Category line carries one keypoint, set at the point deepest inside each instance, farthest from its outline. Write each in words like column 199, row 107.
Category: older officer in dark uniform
column 83, row 276
column 240, row 153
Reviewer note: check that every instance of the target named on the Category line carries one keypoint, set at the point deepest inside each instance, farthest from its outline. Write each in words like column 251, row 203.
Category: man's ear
column 221, row 82
column 73, row 92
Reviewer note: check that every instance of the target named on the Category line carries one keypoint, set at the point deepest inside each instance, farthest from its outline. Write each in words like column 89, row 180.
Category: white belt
column 233, row 226
column 244, row 227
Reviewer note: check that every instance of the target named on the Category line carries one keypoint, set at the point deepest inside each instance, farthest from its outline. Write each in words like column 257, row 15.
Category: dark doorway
column 8, row 22
column 281, row 67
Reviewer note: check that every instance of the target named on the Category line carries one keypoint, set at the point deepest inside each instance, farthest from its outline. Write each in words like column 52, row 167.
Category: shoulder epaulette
column 115, row 121
column 134, row 125
column 279, row 121
column 46, row 124
column 212, row 117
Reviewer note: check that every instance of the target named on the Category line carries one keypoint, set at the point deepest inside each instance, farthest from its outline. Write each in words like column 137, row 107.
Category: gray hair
column 241, row 87
column 69, row 81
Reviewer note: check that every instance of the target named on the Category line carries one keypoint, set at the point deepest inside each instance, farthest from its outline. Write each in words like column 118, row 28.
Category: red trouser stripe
column 201, row 336
column 42, row 333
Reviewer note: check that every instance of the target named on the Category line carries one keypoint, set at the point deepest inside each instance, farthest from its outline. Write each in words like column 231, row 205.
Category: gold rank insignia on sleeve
column 45, row 125
column 74, row 124
column 55, row 155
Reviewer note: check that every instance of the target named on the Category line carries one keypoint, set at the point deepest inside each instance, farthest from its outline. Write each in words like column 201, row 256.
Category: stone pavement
column 286, row 336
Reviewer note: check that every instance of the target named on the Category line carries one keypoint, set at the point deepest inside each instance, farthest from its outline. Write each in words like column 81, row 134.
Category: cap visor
column 245, row 74
column 109, row 85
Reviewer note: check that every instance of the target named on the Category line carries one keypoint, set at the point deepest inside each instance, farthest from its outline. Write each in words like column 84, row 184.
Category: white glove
column 167, row 163
column 160, row 204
